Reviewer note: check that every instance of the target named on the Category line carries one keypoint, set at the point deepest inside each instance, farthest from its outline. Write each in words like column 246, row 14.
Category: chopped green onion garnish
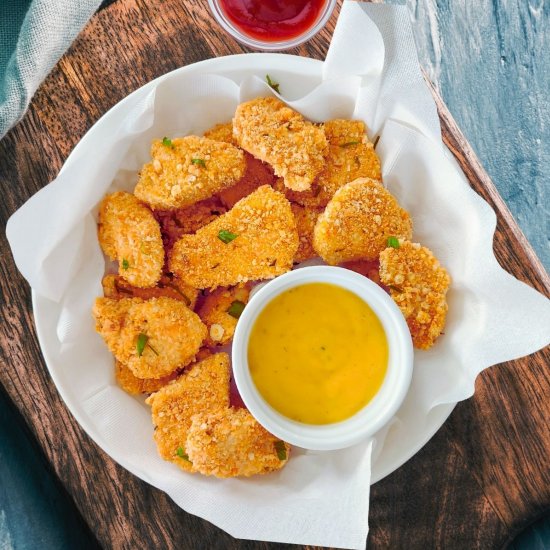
column 350, row 143
column 167, row 142
column 200, row 162
column 393, row 242
column 226, row 236
column 280, row 447
column 236, row 308
column 271, row 84
column 141, row 343
column 125, row 264
column 181, row 454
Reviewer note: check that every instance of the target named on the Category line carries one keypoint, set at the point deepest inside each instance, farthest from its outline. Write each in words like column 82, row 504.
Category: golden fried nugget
column 418, row 285
column 280, row 136
column 358, row 221
column 187, row 170
column 230, row 443
column 256, row 239
column 305, row 217
column 129, row 233
column 204, row 387
column 115, row 286
column 221, row 132
column 134, row 385
column 350, row 156
column 220, row 312
column 153, row 337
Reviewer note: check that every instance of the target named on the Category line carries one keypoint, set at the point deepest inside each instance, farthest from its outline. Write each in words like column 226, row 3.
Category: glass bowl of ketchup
column 272, row 24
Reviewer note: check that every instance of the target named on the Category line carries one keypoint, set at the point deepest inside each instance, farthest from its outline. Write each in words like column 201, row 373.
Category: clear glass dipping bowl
column 257, row 44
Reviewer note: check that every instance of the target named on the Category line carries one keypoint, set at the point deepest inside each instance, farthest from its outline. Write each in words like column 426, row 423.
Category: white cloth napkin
column 372, row 73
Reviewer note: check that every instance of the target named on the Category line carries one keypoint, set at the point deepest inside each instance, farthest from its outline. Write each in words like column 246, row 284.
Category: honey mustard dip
column 317, row 353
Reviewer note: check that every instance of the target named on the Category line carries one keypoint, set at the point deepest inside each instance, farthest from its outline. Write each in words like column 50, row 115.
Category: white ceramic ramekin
column 377, row 412
column 264, row 45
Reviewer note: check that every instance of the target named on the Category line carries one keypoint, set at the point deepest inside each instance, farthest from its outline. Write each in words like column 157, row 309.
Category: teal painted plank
column 491, row 63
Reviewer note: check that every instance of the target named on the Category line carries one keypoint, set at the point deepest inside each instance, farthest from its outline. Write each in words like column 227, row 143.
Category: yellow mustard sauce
column 318, row 353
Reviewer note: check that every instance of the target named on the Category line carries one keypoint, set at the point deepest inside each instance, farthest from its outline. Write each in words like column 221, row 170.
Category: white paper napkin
column 371, row 73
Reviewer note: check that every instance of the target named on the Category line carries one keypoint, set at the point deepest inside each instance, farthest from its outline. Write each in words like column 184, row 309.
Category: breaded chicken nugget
column 186, row 170
column 230, row 443
column 221, row 132
column 134, row 385
column 418, row 285
column 257, row 173
column 357, row 222
column 220, row 311
column 256, row 239
column 350, row 156
column 205, row 387
column 115, row 286
column 306, row 218
column 280, row 136
column 153, row 337
column 129, row 233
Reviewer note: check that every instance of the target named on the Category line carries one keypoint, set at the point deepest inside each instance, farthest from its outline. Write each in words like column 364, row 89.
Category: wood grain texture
column 479, row 480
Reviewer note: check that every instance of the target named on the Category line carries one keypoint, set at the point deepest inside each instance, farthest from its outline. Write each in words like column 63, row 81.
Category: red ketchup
column 273, row 20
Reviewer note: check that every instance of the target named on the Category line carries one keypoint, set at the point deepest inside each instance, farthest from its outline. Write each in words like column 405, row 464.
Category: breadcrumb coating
column 214, row 313
column 171, row 334
column 350, row 156
column 204, row 387
column 264, row 242
column 306, row 218
column 134, row 385
column 129, row 233
column 418, row 285
column 187, row 170
column 280, row 136
column 222, row 132
column 367, row 268
column 358, row 221
column 116, row 287
column 230, row 443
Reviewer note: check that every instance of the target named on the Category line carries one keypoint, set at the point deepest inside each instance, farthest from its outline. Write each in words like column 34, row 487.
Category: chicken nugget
column 204, row 387
column 187, row 170
column 280, row 136
column 220, row 311
column 129, row 233
column 152, row 337
column 418, row 285
column 134, row 385
column 306, row 218
column 358, row 221
column 115, row 286
column 222, row 132
column 256, row 239
column 230, row 442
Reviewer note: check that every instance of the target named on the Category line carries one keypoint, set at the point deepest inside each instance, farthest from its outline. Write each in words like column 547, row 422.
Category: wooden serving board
column 480, row 480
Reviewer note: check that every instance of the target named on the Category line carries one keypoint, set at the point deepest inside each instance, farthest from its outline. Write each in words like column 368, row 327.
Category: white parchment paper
column 371, row 73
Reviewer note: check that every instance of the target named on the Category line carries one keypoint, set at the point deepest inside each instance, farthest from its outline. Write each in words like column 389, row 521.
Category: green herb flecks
column 226, row 236
column 141, row 343
column 393, row 242
column 167, row 142
column 125, row 264
column 350, row 144
column 199, row 162
column 271, row 84
column 280, row 447
column 236, row 308
column 181, row 454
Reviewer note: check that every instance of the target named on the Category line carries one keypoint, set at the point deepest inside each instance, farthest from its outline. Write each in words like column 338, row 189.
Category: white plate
column 404, row 439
